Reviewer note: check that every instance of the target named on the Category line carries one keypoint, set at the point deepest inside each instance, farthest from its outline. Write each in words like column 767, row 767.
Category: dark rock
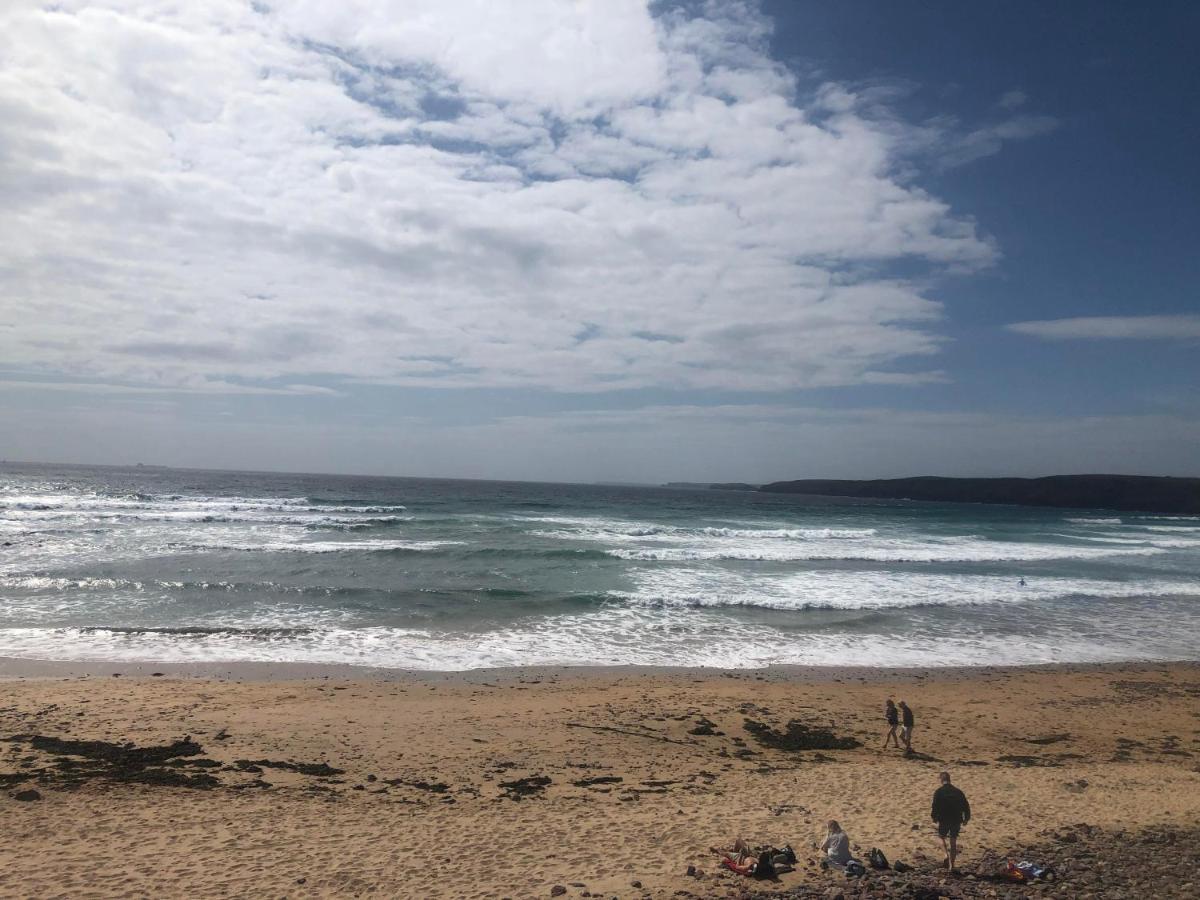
column 557, row 891
column 1021, row 761
column 434, row 787
column 77, row 761
column 27, row 796
column 1048, row 739
column 798, row 736
column 530, row 786
column 319, row 770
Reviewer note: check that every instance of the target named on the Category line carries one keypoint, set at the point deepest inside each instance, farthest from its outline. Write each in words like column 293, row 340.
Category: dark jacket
column 950, row 806
column 907, row 713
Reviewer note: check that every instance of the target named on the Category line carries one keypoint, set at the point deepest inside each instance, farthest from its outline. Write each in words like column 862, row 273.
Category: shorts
column 906, row 732
column 949, row 829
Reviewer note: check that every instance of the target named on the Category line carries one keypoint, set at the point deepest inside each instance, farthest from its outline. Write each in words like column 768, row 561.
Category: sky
column 609, row 240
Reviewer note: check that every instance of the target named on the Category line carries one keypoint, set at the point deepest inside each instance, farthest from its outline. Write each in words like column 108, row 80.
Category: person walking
column 892, row 715
column 950, row 813
column 906, row 726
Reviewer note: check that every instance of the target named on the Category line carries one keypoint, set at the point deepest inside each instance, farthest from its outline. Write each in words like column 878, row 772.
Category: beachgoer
column 836, row 845
column 739, row 858
column 1021, row 582
column 906, row 726
column 893, row 719
column 950, row 812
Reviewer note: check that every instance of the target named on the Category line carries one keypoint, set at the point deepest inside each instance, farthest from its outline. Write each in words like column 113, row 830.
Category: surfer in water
column 1021, row 583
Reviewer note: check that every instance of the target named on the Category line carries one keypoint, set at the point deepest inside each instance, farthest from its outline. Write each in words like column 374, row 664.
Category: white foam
column 1095, row 521
column 612, row 637
column 965, row 549
column 689, row 587
column 351, row 546
column 641, row 541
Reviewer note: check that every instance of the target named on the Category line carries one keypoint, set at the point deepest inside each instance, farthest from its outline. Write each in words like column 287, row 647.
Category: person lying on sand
column 739, row 858
column 764, row 863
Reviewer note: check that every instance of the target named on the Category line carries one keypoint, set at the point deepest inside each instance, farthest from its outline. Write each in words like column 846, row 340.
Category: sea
column 174, row 565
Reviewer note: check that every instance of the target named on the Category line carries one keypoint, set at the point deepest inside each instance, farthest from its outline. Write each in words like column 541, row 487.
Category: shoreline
column 15, row 668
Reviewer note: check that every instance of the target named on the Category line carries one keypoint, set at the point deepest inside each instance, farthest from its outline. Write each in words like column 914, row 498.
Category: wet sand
column 318, row 781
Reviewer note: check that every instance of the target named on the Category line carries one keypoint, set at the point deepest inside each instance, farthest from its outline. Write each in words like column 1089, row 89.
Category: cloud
column 447, row 193
column 1179, row 327
column 1012, row 99
column 207, row 387
column 988, row 140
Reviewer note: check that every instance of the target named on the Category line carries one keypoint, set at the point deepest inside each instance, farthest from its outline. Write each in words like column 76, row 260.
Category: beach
column 309, row 781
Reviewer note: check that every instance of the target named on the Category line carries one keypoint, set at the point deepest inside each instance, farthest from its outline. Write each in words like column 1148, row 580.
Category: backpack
column 902, row 866
column 876, row 859
column 765, row 868
column 855, row 869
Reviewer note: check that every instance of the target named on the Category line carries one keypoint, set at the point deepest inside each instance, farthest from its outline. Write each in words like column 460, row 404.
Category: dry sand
column 421, row 810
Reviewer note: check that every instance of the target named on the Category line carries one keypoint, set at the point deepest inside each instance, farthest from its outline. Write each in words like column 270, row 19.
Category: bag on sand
column 855, row 869
column 902, row 867
column 876, row 859
column 765, row 867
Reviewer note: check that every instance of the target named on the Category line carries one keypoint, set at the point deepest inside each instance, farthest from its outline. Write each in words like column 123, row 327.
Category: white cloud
column 451, row 193
column 1180, row 327
column 990, row 139
column 1012, row 99
column 205, row 387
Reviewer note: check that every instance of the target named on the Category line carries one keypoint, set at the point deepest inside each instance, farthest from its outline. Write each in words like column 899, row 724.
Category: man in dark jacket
column 906, row 727
column 950, row 812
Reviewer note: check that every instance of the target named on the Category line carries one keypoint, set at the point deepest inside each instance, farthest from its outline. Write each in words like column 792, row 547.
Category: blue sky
column 601, row 241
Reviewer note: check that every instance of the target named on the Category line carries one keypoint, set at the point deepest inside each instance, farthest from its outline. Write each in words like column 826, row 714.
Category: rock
column 27, row 796
column 636, row 884
column 557, row 891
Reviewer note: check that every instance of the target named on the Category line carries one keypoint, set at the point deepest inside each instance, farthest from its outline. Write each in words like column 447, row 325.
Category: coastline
column 12, row 667
column 335, row 781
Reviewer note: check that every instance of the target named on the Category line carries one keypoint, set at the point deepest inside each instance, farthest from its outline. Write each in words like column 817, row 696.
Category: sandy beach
column 308, row 782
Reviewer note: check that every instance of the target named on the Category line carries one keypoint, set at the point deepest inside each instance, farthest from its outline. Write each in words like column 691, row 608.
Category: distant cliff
column 705, row 486
column 1146, row 493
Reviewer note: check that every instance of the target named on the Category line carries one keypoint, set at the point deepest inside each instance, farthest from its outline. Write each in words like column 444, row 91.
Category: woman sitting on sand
column 836, row 846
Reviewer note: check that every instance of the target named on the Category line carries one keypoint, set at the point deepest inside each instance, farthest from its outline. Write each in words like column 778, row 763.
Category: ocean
column 179, row 565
